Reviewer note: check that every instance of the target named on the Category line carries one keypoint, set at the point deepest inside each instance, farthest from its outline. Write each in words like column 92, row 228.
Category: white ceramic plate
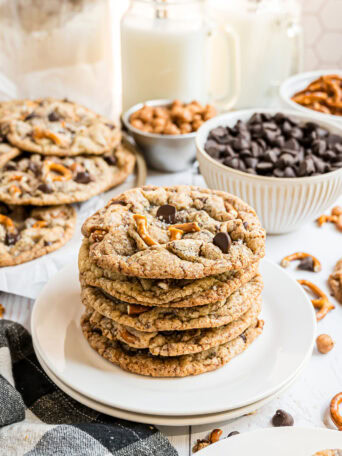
column 277, row 442
column 190, row 420
column 271, row 361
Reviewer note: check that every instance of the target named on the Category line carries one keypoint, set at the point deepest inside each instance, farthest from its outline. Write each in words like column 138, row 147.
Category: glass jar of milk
column 165, row 52
column 270, row 46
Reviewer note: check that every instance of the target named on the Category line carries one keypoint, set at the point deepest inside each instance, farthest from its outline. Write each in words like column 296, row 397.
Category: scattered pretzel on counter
column 335, row 403
column 141, row 222
column 322, row 95
column 49, row 168
column 311, row 263
column 321, row 303
column 213, row 438
column 334, row 217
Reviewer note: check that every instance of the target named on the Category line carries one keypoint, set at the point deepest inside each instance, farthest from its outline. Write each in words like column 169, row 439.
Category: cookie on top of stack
column 170, row 280
column 52, row 153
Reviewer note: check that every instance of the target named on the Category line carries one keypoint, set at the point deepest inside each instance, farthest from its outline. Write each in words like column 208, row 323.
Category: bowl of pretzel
column 318, row 93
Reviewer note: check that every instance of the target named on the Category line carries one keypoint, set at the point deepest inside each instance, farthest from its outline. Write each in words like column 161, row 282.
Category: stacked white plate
column 269, row 366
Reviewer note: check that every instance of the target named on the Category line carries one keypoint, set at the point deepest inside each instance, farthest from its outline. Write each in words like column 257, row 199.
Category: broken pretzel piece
column 136, row 309
column 310, row 263
column 322, row 303
column 175, row 234
column 177, row 231
column 335, row 403
column 38, row 133
column 64, row 174
column 7, row 223
column 141, row 222
column 40, row 224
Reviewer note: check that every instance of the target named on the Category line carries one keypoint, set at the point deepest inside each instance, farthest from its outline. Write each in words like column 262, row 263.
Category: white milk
column 269, row 46
column 163, row 59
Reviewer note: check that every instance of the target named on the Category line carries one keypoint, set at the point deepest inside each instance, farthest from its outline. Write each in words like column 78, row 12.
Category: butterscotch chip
column 194, row 256
column 34, row 232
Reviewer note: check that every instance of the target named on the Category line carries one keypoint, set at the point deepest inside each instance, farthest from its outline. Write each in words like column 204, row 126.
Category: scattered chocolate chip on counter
column 177, row 119
column 276, row 146
column 282, row 418
column 231, row 434
column 324, row 343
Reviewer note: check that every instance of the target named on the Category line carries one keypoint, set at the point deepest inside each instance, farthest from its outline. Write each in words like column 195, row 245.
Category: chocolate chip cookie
column 152, row 319
column 27, row 233
column 175, row 343
column 180, row 232
column 335, row 281
column 57, row 127
column 38, row 180
column 162, row 292
column 140, row 361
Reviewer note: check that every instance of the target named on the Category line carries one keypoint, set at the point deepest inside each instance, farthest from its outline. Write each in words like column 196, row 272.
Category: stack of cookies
column 52, row 153
column 170, row 281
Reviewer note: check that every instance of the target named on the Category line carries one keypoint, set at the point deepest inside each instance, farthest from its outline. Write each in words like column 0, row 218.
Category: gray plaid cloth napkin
column 38, row 419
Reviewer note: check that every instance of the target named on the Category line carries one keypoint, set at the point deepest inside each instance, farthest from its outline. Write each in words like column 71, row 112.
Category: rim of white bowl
column 162, row 102
column 286, row 85
column 235, row 114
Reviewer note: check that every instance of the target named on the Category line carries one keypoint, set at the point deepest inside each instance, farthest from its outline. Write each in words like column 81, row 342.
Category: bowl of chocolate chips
column 286, row 165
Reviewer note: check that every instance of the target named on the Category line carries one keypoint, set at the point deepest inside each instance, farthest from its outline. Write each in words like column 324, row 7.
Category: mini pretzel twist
column 39, row 224
column 7, row 223
column 285, row 262
column 65, row 174
column 38, row 133
column 141, row 223
column 322, row 303
column 335, row 403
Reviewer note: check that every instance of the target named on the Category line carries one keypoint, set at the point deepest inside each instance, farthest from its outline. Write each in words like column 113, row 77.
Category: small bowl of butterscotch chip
column 165, row 131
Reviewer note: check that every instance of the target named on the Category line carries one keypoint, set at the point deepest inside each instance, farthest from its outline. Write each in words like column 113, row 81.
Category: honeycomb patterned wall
column 322, row 21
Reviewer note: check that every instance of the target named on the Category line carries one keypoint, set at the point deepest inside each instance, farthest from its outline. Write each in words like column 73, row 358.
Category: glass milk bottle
column 165, row 48
column 270, row 46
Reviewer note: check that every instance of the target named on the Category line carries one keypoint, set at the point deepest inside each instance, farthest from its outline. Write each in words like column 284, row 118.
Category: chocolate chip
column 82, row 177
column 281, row 418
column 245, row 225
column 264, row 167
column 10, row 166
column 11, row 238
column 47, row 243
column 222, row 241
column 167, row 213
column 54, row 117
column 110, row 159
column 231, row 434
column 243, row 337
column 4, row 209
column 306, row 264
column 289, row 172
column 30, row 116
column 35, row 168
column 45, row 188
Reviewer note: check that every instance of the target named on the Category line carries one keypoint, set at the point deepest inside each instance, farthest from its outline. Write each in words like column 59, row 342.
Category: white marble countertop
column 308, row 398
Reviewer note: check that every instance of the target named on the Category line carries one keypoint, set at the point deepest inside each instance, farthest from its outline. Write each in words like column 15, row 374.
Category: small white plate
column 190, row 420
column 278, row 441
column 271, row 361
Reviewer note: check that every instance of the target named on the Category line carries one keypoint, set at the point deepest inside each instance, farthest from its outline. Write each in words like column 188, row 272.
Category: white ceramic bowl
column 283, row 204
column 299, row 82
